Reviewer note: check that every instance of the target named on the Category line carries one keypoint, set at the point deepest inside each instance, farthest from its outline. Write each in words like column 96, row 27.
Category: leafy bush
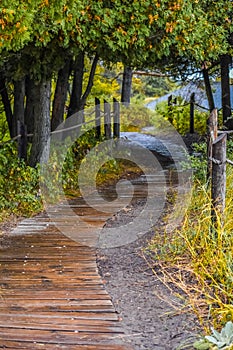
column 198, row 160
column 179, row 116
column 18, row 183
column 135, row 117
column 74, row 157
column 217, row 340
column 110, row 171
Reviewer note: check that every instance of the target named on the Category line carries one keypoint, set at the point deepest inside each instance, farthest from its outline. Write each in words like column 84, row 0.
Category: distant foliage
column 151, row 86
column 179, row 116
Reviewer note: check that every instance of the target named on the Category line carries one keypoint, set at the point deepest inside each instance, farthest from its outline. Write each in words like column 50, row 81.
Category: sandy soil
column 151, row 313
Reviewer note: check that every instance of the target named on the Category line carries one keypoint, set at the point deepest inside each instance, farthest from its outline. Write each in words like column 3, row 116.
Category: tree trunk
column 19, row 99
column 226, row 99
column 78, row 98
column 77, row 88
column 41, row 136
column 208, row 89
column 31, row 98
column 126, row 85
column 7, row 106
column 60, row 96
column 90, row 82
column 192, row 110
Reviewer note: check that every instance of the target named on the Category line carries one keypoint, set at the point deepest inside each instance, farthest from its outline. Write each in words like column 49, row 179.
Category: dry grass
column 197, row 260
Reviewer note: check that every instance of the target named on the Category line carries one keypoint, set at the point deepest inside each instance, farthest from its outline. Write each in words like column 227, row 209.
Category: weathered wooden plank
column 54, row 337
column 39, row 309
column 52, row 294
column 13, row 345
column 53, row 315
column 30, row 303
column 50, row 287
column 35, row 319
column 69, row 327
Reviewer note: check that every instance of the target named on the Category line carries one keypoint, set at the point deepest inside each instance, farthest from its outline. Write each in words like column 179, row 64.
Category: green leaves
column 139, row 32
column 223, row 339
column 16, row 24
column 18, row 184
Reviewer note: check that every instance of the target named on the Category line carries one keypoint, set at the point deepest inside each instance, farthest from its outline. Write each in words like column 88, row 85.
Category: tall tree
column 7, row 105
column 126, row 85
column 19, row 103
column 77, row 86
column 208, row 88
column 41, row 135
column 60, row 95
column 225, row 60
column 35, row 38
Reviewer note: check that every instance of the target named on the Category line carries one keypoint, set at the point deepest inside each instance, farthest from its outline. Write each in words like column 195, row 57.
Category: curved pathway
column 52, row 296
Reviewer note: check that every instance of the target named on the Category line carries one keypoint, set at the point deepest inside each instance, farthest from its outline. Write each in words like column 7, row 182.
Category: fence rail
column 109, row 118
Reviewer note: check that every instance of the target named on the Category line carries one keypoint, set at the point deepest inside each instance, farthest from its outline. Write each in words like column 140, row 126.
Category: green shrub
column 18, row 184
column 179, row 116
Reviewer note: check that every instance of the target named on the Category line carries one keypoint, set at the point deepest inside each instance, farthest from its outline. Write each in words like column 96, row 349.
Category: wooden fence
column 111, row 119
column 106, row 122
column 217, row 157
column 172, row 101
column 217, row 160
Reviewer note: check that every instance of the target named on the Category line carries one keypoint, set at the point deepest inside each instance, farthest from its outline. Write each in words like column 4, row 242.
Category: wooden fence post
column 218, row 189
column 169, row 103
column 169, row 100
column 97, row 119
column 22, row 140
column 192, row 106
column 212, row 134
column 107, row 120
column 116, row 119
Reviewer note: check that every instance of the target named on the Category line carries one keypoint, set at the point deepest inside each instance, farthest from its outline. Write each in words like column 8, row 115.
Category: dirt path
column 150, row 313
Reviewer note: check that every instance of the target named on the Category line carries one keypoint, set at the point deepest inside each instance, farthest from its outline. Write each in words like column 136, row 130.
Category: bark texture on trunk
column 19, row 101
column 208, row 89
column 126, row 85
column 60, row 96
column 41, row 136
column 226, row 98
column 77, row 87
column 78, row 97
column 31, row 99
column 7, row 105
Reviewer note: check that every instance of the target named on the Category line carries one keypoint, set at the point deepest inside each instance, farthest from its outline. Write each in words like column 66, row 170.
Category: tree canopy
column 133, row 31
column 39, row 38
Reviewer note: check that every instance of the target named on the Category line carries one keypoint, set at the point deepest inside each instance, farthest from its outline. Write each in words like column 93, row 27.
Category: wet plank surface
column 52, row 296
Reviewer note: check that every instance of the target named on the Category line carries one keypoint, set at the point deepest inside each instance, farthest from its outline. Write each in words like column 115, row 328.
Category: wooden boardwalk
column 51, row 295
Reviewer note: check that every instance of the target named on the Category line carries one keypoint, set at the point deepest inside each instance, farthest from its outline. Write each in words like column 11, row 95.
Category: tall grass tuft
column 198, row 258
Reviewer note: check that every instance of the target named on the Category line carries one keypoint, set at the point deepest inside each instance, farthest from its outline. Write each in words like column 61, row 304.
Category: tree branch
column 90, row 80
